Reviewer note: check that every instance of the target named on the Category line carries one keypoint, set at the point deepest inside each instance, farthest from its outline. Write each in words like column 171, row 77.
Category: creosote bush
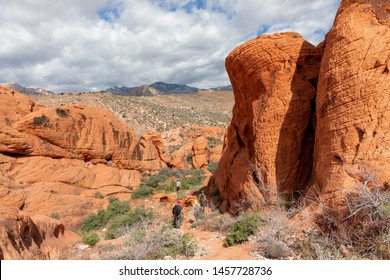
column 116, row 217
column 120, row 222
column 213, row 166
column 142, row 191
column 240, row 231
column 91, row 238
column 141, row 242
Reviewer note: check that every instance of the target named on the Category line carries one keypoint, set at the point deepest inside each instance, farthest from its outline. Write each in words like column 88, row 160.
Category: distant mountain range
column 160, row 88
column 24, row 90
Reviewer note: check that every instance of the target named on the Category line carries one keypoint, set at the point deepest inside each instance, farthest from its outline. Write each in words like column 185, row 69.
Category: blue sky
column 67, row 45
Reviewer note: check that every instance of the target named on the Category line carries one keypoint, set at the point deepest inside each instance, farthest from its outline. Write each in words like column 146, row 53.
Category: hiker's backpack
column 177, row 210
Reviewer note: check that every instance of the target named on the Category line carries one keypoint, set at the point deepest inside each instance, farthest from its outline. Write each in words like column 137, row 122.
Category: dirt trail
column 212, row 244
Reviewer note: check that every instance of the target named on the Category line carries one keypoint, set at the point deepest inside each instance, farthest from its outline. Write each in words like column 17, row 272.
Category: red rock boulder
column 269, row 143
column 31, row 237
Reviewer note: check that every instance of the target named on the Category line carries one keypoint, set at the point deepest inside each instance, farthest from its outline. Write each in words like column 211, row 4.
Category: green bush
column 91, row 238
column 213, row 166
column 94, row 221
column 165, row 180
column 213, row 142
column 171, row 242
column 99, row 195
column 143, row 191
column 170, row 187
column 119, row 223
column 194, row 178
column 160, row 179
column 242, row 229
column 55, row 215
column 117, row 207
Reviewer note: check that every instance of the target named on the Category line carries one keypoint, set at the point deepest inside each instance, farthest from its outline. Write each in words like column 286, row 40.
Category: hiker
column 203, row 201
column 178, row 185
column 177, row 213
column 196, row 210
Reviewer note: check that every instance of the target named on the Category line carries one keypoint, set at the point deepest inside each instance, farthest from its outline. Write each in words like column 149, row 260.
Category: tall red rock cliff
column 353, row 99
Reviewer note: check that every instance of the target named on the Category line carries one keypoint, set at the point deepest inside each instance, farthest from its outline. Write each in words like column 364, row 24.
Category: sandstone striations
column 353, row 99
column 274, row 80
column 286, row 138
column 31, row 236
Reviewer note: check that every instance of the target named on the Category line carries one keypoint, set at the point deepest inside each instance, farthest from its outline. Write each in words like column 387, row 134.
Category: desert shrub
column 119, row 223
column 117, row 207
column 189, row 158
column 223, row 223
column 142, row 191
column 243, row 228
column 364, row 224
column 93, row 221
column 212, row 142
column 213, row 166
column 91, row 238
column 158, row 180
column 99, row 195
column 170, row 187
column 275, row 249
column 142, row 243
column 193, row 178
column 165, row 181
column 55, row 215
column 171, row 242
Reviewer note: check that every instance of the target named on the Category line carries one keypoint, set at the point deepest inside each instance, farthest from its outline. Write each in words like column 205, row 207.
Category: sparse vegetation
column 91, row 238
column 213, row 166
column 212, row 142
column 140, row 242
column 116, row 217
column 119, row 223
column 247, row 225
column 99, row 195
column 165, row 181
column 55, row 215
column 142, row 191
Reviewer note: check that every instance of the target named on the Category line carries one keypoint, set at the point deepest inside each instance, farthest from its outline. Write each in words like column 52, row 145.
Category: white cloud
column 94, row 44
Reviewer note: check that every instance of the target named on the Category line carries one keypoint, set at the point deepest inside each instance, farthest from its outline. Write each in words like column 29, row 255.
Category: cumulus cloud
column 94, row 44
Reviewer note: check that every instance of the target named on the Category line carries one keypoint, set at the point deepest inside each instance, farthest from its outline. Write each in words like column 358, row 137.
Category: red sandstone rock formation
column 274, row 79
column 151, row 153
column 353, row 98
column 31, row 236
column 200, row 153
column 269, row 147
column 80, row 132
column 70, row 188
